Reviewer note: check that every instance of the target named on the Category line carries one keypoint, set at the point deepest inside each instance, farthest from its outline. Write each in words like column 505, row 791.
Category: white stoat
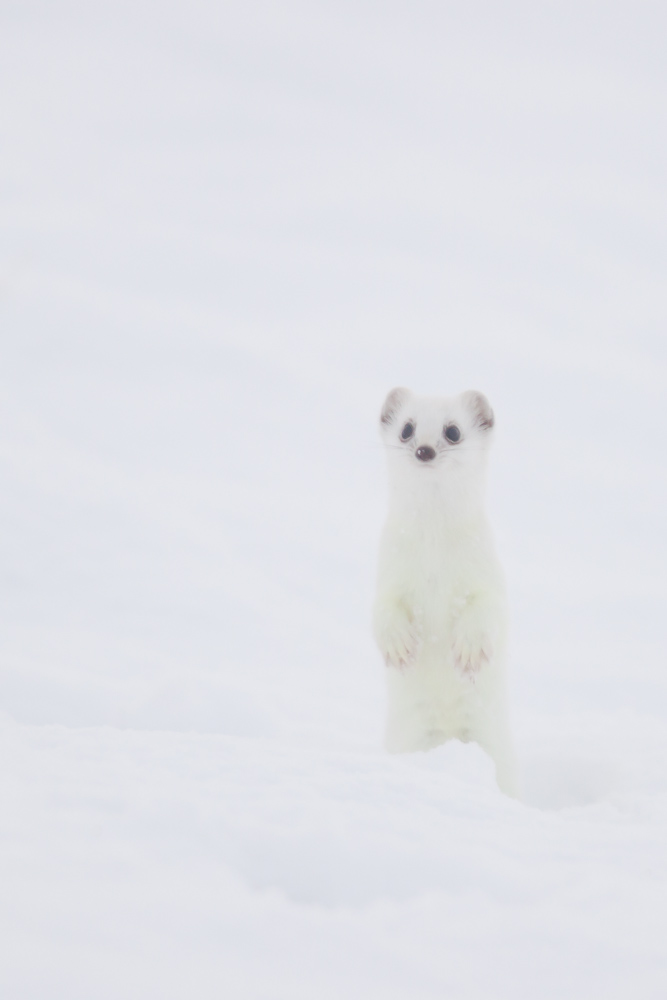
column 440, row 619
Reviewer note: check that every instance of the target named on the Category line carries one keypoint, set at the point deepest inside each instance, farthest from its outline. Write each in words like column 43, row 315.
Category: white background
column 227, row 230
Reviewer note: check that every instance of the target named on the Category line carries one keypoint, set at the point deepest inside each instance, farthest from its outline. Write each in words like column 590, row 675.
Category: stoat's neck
column 454, row 502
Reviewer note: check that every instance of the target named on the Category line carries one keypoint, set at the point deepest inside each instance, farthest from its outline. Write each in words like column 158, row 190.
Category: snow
column 227, row 231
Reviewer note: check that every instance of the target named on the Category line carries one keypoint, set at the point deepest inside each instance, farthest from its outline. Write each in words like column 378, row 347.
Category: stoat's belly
column 434, row 606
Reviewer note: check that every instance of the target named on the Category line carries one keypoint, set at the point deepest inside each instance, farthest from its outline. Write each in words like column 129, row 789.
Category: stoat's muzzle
column 425, row 453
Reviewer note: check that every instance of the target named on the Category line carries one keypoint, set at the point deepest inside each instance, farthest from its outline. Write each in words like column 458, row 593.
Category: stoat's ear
column 479, row 406
column 392, row 405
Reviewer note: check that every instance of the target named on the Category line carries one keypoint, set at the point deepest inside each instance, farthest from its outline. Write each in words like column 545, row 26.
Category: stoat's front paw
column 471, row 652
column 399, row 638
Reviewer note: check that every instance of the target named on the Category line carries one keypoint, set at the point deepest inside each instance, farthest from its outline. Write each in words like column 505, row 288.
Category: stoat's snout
column 425, row 453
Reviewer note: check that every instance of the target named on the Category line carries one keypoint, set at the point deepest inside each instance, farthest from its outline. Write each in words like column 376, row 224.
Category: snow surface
column 227, row 231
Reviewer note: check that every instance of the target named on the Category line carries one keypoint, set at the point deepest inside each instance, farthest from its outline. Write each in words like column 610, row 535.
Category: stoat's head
column 433, row 440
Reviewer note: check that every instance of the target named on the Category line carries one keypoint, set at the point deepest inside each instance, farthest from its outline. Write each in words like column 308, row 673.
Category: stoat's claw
column 402, row 647
column 468, row 660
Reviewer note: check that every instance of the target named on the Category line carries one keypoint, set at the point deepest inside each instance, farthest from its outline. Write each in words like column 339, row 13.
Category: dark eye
column 452, row 433
column 407, row 432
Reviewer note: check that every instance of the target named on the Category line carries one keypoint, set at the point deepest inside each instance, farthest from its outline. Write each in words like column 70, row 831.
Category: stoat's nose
column 425, row 454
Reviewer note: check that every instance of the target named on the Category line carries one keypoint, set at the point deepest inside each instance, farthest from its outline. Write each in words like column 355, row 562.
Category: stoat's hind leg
column 413, row 720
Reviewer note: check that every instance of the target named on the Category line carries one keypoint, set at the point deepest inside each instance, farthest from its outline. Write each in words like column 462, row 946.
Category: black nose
column 425, row 454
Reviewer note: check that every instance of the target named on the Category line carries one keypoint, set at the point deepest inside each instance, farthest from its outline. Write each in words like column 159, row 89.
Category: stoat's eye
column 452, row 433
column 408, row 431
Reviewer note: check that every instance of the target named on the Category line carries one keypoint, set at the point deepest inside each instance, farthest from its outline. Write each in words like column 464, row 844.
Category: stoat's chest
column 433, row 559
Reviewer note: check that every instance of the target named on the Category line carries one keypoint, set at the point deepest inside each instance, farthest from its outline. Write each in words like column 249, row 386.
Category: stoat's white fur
column 440, row 618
